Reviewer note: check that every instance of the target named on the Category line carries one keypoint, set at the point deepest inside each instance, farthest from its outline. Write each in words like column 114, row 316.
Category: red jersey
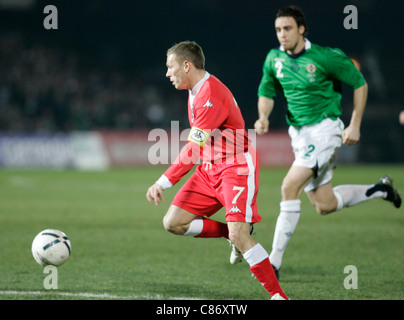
column 217, row 129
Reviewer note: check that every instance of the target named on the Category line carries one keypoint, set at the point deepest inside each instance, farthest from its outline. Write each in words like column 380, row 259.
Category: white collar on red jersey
column 200, row 83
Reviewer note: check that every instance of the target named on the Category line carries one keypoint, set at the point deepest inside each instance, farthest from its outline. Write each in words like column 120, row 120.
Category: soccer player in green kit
column 308, row 74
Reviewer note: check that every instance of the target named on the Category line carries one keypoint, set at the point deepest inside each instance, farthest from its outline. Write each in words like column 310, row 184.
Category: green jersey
column 310, row 81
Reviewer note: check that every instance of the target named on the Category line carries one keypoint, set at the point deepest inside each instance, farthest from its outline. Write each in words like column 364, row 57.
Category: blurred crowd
column 47, row 89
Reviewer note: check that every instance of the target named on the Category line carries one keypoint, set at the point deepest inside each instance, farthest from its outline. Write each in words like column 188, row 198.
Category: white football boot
column 277, row 296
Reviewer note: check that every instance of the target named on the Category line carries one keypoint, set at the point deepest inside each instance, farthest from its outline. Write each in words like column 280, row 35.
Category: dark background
column 104, row 67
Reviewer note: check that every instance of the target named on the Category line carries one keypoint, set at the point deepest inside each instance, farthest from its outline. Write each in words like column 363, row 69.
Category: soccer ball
column 51, row 247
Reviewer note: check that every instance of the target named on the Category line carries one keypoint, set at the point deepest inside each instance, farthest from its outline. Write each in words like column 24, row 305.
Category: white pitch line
column 93, row 295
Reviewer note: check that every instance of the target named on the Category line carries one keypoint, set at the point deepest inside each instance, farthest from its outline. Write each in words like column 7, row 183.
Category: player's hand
column 261, row 126
column 155, row 194
column 351, row 135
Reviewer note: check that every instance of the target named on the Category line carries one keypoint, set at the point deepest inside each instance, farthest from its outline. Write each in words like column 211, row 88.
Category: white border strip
column 94, row 295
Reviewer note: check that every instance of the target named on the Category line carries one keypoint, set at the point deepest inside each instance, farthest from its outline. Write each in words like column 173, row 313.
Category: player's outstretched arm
column 184, row 162
column 351, row 134
column 265, row 106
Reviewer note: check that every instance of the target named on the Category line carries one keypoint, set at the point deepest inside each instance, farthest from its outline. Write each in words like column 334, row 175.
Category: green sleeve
column 341, row 67
column 269, row 84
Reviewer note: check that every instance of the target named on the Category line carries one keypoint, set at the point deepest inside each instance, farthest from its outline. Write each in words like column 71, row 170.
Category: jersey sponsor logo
column 198, row 136
column 234, row 209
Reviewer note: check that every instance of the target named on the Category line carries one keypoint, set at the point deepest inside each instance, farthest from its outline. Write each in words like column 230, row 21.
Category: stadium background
column 89, row 94
column 103, row 71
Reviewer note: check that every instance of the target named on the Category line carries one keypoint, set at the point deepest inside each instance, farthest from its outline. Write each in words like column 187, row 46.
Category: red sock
column 266, row 275
column 213, row 229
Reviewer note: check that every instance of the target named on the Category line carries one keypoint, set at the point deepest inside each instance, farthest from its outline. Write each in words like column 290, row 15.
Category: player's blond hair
column 190, row 51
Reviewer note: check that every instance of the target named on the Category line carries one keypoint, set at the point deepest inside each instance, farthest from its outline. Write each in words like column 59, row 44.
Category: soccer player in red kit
column 228, row 175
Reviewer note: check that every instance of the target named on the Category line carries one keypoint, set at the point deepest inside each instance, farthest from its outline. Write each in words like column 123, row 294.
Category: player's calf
column 324, row 209
column 239, row 235
column 324, row 199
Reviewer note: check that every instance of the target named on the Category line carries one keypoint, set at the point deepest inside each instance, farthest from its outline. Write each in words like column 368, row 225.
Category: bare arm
column 351, row 134
column 184, row 162
column 265, row 107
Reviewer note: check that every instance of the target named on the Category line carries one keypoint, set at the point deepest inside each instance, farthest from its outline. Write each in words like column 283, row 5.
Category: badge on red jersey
column 198, row 136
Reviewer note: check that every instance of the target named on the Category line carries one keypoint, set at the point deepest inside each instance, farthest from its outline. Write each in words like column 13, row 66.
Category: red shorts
column 233, row 186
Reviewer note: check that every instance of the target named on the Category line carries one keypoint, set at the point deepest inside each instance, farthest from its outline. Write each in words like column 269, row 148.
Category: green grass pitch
column 120, row 249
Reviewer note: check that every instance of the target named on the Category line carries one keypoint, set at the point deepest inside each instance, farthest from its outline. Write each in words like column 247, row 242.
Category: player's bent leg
column 294, row 182
column 352, row 194
column 178, row 220
column 323, row 199
column 182, row 222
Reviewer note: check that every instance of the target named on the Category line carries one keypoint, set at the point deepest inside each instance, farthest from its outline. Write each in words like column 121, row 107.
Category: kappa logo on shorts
column 234, row 209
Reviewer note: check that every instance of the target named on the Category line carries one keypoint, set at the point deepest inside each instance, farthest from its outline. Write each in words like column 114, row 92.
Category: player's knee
column 289, row 191
column 172, row 226
column 284, row 190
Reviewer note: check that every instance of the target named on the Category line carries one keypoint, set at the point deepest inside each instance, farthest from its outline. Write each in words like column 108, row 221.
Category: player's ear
column 302, row 30
column 187, row 66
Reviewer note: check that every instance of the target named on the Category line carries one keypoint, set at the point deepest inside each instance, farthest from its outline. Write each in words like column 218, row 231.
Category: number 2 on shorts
column 311, row 149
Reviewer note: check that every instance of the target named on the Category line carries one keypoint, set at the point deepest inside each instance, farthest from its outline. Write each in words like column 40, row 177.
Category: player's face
column 176, row 72
column 290, row 36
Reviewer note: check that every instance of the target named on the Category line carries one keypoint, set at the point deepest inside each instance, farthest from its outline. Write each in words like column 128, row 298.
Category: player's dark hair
column 190, row 51
column 296, row 13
